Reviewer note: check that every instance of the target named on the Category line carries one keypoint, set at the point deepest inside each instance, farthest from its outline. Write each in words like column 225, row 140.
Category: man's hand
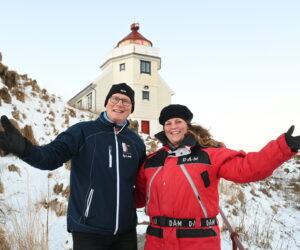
column 12, row 141
column 292, row 141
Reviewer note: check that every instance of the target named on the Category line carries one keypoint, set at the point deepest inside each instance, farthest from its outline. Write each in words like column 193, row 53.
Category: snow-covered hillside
column 33, row 202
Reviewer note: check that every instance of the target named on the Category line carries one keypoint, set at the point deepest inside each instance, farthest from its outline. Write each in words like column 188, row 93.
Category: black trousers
column 87, row 241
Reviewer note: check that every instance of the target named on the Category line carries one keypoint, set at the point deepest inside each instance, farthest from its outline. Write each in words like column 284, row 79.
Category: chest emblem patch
column 196, row 156
column 126, row 150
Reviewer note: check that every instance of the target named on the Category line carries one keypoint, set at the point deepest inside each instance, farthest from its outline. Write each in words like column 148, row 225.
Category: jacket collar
column 109, row 123
column 189, row 140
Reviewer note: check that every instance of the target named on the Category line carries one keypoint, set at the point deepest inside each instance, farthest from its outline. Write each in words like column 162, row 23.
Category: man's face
column 118, row 108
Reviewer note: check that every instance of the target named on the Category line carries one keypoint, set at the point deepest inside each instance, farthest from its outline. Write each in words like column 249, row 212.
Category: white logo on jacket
column 190, row 159
column 126, row 150
column 175, row 223
column 210, row 222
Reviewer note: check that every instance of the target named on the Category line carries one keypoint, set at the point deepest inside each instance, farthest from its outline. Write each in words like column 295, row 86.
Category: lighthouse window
column 89, row 100
column 146, row 95
column 146, row 67
column 122, row 67
column 79, row 104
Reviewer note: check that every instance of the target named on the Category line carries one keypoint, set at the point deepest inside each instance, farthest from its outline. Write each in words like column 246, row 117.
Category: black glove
column 12, row 141
column 292, row 141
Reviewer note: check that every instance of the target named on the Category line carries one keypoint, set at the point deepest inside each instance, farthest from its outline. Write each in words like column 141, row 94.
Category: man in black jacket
column 105, row 156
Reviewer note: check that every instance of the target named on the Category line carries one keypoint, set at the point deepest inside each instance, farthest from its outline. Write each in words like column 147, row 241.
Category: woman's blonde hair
column 203, row 136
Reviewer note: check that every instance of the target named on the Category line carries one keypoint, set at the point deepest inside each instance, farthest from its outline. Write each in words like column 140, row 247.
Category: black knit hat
column 175, row 111
column 121, row 88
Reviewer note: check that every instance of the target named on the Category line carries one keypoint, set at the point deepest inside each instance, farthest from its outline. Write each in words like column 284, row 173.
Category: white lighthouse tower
column 136, row 62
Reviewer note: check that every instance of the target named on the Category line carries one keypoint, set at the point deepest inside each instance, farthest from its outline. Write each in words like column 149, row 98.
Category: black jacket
column 104, row 163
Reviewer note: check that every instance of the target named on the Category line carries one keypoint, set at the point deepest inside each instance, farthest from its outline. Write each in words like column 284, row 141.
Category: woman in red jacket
column 178, row 184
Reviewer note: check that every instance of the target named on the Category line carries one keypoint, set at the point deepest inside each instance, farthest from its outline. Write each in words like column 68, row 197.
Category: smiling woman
column 175, row 130
column 178, row 184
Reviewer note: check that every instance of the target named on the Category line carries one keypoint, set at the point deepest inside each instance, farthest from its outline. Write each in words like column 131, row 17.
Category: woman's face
column 175, row 130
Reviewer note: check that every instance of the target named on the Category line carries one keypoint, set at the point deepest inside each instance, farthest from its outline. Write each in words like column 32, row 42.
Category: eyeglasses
column 115, row 100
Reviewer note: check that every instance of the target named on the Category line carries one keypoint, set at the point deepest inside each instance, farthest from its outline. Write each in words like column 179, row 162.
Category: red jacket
column 186, row 186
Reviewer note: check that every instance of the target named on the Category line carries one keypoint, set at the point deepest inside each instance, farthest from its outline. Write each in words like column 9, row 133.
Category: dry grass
column 67, row 120
column 5, row 96
column 33, row 84
column 237, row 197
column 241, row 196
column 18, row 94
column 4, row 244
column 297, row 158
column 51, row 113
column 276, row 186
column 292, row 192
column 10, row 78
column 134, row 125
column 44, row 95
column 58, row 188
column 275, row 208
column 14, row 168
column 260, row 235
column 55, row 131
column 1, row 188
column 252, row 191
column 68, row 165
column 66, row 192
column 3, row 69
column 27, row 230
column 266, row 192
column 72, row 112
column 28, row 133
column 24, row 116
column 16, row 114
column 294, row 185
column 60, row 208
column 152, row 147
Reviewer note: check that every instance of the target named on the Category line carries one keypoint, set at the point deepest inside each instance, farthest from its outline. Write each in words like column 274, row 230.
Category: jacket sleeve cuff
column 34, row 157
column 285, row 149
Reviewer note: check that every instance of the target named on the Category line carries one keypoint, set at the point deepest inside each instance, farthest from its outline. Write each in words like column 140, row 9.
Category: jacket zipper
column 118, row 178
column 118, row 184
column 89, row 201
column 110, row 156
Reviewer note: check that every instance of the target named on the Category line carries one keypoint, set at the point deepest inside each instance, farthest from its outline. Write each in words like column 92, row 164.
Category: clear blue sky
column 235, row 64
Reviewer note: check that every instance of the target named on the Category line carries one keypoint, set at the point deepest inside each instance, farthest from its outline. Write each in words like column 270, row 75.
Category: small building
column 136, row 62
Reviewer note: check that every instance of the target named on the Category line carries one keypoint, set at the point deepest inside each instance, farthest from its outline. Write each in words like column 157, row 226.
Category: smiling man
column 119, row 103
column 105, row 156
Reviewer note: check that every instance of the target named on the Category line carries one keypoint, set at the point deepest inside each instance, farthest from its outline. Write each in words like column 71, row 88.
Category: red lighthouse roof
column 134, row 37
